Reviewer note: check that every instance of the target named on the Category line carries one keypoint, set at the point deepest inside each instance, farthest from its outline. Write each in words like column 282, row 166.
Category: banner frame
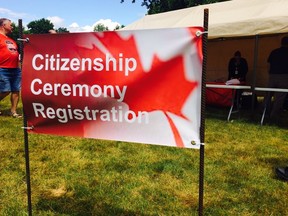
column 202, row 119
column 26, row 141
column 203, row 113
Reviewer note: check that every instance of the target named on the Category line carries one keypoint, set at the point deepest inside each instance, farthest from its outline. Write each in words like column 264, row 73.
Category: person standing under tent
column 278, row 78
column 10, row 73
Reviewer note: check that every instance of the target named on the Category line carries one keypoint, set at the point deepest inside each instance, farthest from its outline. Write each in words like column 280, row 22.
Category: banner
column 139, row 86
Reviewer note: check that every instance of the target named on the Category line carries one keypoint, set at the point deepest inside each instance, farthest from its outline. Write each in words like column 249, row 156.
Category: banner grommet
column 199, row 33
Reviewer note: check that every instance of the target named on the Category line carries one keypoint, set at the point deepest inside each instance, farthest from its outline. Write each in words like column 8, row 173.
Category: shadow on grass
column 7, row 112
column 247, row 115
column 80, row 207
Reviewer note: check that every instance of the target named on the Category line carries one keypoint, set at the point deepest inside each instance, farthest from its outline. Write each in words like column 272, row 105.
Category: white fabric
column 226, row 19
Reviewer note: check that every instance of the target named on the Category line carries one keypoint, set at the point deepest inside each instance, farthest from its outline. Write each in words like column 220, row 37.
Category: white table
column 234, row 87
column 268, row 90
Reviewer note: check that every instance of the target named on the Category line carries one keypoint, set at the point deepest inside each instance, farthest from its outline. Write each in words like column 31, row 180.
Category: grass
column 73, row 176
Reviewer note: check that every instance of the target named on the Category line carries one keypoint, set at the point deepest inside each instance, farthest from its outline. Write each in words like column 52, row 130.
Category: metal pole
column 254, row 74
column 26, row 143
column 203, row 111
column 27, row 160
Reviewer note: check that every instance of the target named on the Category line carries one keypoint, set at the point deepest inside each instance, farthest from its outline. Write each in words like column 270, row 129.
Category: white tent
column 254, row 27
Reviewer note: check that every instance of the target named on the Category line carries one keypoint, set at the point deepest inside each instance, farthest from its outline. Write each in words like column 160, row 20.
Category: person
column 10, row 73
column 237, row 67
column 278, row 78
column 237, row 70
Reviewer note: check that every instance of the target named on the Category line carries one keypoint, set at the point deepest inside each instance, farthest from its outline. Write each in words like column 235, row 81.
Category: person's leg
column 15, row 89
column 14, row 98
column 4, row 84
column 279, row 98
column 280, row 81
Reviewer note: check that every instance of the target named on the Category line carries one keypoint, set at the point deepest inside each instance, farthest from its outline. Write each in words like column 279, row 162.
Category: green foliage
column 74, row 176
column 15, row 33
column 62, row 30
column 119, row 27
column 41, row 26
column 100, row 27
column 158, row 6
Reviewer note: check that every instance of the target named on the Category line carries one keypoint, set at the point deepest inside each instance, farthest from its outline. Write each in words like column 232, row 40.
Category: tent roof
column 226, row 19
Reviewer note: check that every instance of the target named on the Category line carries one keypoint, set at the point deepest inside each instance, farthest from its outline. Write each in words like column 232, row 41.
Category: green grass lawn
column 73, row 176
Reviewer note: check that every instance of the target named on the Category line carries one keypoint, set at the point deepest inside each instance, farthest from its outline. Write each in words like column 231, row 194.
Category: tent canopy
column 226, row 19
column 254, row 27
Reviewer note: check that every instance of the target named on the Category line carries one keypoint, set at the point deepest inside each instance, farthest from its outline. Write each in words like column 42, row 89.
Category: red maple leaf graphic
column 163, row 88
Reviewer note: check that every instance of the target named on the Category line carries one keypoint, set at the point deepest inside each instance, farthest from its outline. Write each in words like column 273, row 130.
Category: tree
column 158, row 6
column 62, row 30
column 41, row 26
column 119, row 27
column 15, row 33
column 100, row 27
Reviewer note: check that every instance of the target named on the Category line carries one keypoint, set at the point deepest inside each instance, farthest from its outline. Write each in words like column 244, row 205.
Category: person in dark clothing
column 278, row 78
column 237, row 67
column 237, row 70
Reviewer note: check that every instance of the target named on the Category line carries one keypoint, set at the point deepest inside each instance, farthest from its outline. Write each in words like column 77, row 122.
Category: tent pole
column 26, row 143
column 256, row 44
column 203, row 111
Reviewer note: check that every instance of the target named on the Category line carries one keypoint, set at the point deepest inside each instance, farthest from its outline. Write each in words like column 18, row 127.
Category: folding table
column 234, row 88
column 266, row 103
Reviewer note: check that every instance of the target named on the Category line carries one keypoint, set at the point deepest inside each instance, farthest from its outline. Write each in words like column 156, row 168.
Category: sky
column 76, row 16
